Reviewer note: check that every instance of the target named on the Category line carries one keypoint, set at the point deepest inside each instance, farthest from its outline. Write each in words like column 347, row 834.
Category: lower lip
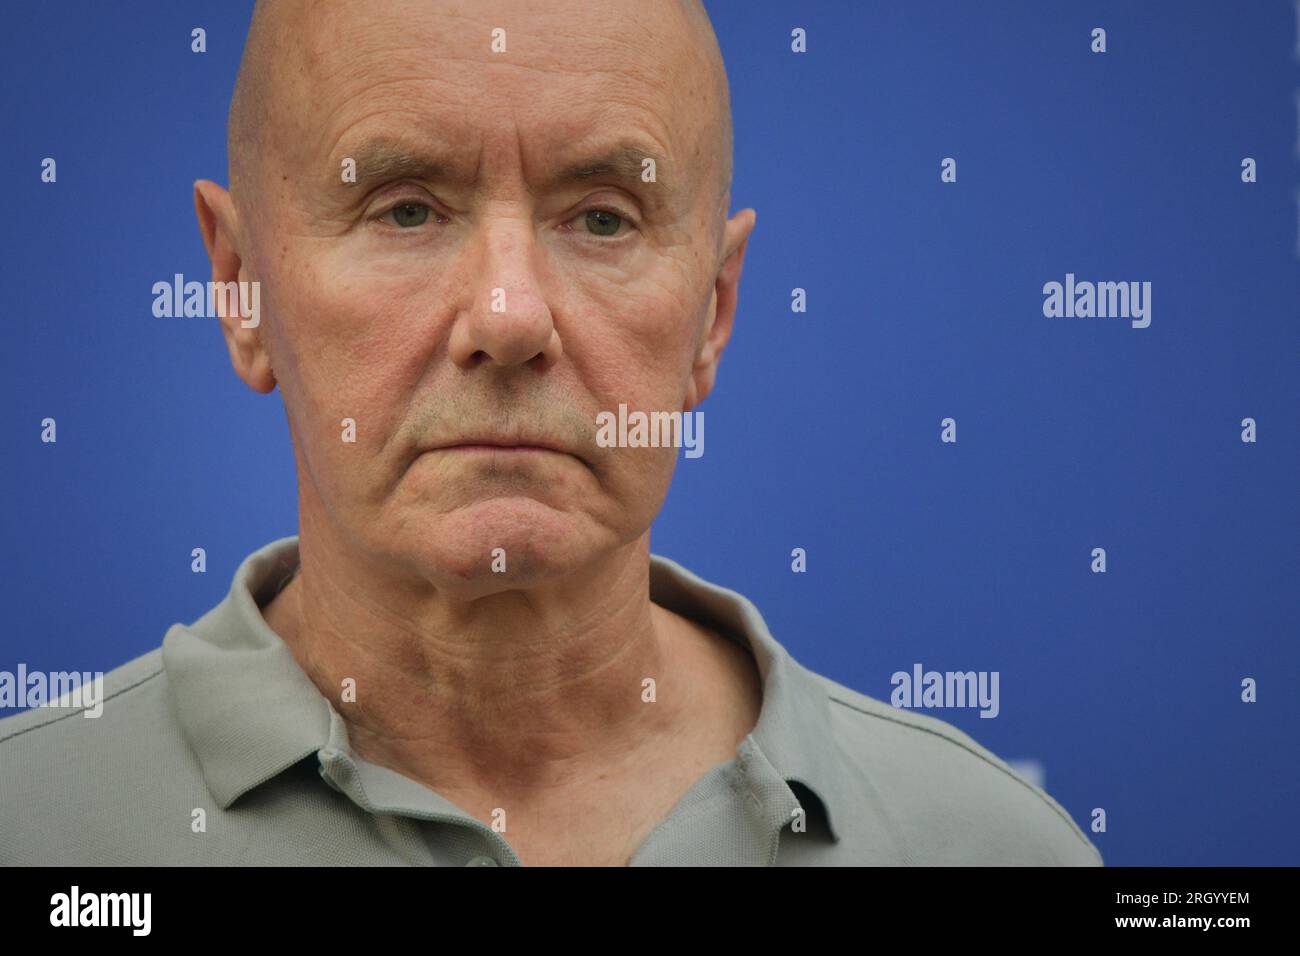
column 500, row 449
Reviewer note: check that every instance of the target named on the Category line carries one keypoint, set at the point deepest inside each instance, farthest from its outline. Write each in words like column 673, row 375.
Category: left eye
column 602, row 222
column 408, row 215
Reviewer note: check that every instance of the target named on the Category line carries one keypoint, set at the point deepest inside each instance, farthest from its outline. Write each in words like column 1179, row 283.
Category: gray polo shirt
column 216, row 748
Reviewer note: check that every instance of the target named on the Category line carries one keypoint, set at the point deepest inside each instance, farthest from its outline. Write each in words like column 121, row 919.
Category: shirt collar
column 246, row 708
column 794, row 726
column 249, row 712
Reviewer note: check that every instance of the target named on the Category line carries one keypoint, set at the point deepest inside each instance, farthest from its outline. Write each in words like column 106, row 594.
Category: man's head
column 459, row 238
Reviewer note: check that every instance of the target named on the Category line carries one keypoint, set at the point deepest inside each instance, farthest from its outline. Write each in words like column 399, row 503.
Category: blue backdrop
column 924, row 302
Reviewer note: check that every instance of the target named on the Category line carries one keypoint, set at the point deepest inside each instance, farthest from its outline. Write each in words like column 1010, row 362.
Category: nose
column 506, row 320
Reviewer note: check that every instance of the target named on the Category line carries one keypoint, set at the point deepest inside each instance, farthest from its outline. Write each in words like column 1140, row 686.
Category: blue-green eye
column 410, row 214
column 602, row 222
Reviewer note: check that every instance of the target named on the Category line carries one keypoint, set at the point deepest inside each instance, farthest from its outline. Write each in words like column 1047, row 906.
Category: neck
column 520, row 693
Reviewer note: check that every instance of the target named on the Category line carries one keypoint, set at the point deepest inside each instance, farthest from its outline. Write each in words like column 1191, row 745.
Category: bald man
column 475, row 229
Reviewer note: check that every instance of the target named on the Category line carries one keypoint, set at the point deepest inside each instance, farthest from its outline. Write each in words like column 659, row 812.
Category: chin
column 535, row 541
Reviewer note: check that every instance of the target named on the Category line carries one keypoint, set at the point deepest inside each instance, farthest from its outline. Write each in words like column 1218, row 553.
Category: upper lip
column 505, row 441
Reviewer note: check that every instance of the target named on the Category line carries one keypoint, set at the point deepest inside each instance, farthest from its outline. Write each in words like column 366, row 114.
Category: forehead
column 547, row 85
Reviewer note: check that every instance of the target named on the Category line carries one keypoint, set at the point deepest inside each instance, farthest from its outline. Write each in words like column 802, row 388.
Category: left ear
column 722, row 307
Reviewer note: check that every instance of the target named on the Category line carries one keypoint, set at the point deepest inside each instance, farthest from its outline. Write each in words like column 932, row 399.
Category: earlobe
column 258, row 372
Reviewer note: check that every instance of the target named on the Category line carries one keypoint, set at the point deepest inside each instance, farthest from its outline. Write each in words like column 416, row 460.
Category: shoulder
column 69, row 773
column 943, row 797
column 41, row 726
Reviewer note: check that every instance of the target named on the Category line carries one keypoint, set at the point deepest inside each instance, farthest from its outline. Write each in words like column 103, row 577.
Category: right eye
column 407, row 215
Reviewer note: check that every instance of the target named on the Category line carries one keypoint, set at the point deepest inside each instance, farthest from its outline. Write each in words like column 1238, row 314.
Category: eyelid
column 610, row 208
column 397, row 196
column 388, row 206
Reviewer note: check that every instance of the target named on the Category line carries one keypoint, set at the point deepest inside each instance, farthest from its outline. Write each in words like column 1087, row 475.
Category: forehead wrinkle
column 618, row 150
column 290, row 43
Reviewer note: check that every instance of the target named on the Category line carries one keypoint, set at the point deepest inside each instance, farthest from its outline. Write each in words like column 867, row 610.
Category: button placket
column 347, row 776
column 775, row 815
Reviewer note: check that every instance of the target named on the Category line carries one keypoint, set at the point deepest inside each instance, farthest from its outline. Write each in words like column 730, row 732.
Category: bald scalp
column 275, row 37
column 251, row 112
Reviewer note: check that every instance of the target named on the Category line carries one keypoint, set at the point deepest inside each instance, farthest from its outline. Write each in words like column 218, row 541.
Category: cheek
column 353, row 348
column 635, row 345
column 633, row 341
column 640, row 484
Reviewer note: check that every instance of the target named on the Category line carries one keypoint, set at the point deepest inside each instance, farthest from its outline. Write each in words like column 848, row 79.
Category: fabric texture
column 216, row 749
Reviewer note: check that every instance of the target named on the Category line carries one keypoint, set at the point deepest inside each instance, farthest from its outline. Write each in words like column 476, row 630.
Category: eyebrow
column 381, row 159
column 623, row 162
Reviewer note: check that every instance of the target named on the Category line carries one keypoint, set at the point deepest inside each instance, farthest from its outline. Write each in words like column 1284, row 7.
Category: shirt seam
column 1060, row 812
column 76, row 712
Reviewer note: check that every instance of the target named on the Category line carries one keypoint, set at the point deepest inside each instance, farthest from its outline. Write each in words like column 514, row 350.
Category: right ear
column 219, row 225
